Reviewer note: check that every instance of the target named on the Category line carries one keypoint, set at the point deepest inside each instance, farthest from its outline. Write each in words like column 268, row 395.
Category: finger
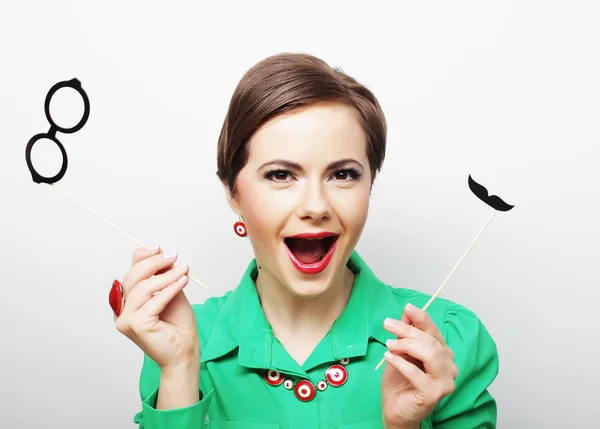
column 158, row 302
column 144, row 252
column 145, row 289
column 421, row 320
column 428, row 391
column 405, row 318
column 436, row 360
column 404, row 330
column 145, row 269
column 419, row 380
column 164, row 270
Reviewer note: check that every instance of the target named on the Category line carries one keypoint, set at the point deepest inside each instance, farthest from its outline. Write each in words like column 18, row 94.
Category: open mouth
column 311, row 254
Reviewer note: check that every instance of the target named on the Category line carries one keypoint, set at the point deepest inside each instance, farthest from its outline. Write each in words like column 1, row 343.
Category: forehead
column 320, row 132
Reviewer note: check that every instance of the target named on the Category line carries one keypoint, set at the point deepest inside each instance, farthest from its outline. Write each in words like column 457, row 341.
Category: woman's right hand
column 157, row 315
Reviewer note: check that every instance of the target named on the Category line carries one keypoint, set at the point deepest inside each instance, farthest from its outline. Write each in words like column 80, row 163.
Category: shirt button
column 336, row 375
column 274, row 378
column 305, row 391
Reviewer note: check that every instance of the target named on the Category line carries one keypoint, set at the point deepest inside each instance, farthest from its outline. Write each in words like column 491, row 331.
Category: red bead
column 274, row 378
column 336, row 375
column 240, row 228
column 115, row 297
column 305, row 391
column 322, row 385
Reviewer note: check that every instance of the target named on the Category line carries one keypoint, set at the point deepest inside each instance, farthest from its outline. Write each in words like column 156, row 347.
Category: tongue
column 307, row 251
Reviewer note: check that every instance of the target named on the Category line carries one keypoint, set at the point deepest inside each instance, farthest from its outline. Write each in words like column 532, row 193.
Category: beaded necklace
column 335, row 376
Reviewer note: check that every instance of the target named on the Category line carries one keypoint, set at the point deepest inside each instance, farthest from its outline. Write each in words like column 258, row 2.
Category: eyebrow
column 294, row 166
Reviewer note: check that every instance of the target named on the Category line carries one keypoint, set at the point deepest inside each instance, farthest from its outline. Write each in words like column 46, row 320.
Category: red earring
column 240, row 228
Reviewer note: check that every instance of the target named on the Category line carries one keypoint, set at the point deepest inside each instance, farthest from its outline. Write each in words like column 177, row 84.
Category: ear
column 232, row 200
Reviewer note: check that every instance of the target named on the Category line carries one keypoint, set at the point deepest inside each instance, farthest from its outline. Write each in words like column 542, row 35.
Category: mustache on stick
column 493, row 201
column 51, row 135
column 498, row 205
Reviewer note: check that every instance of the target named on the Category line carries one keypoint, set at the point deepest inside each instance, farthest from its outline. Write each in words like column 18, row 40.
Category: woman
column 296, row 343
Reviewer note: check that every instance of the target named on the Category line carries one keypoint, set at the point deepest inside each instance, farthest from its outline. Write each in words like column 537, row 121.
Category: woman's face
column 304, row 195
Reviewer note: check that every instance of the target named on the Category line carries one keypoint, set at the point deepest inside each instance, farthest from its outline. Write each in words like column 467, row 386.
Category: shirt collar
column 242, row 324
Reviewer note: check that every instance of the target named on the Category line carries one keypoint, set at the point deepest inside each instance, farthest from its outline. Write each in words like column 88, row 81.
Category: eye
column 278, row 175
column 347, row 174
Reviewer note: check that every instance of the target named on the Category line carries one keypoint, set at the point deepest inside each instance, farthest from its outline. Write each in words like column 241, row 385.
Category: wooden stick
column 112, row 225
column 451, row 272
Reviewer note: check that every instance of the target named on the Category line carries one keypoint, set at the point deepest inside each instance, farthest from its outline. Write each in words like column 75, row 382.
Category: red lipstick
column 321, row 234
column 319, row 266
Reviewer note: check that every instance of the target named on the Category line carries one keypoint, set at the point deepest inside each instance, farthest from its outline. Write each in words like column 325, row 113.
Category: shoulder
column 207, row 314
column 211, row 308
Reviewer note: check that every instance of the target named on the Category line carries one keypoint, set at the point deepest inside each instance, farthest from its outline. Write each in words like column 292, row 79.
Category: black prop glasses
column 51, row 134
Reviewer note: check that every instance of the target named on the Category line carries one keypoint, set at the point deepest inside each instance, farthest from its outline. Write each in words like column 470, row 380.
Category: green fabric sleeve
column 425, row 424
column 470, row 405
column 149, row 417
column 178, row 418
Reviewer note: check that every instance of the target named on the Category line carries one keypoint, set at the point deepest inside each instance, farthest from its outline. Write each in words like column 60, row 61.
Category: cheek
column 263, row 213
column 356, row 216
column 352, row 208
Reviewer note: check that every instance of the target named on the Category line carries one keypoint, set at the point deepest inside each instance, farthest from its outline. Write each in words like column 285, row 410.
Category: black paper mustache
column 493, row 201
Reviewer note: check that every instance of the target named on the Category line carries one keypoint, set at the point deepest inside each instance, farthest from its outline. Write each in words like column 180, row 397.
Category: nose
column 314, row 203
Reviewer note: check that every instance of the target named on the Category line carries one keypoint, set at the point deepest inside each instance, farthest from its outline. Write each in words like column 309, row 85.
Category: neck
column 291, row 315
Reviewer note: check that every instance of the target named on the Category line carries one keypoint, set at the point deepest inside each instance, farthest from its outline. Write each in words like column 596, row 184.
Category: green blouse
column 238, row 348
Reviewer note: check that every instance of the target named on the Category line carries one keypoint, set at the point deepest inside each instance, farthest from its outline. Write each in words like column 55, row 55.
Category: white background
column 506, row 91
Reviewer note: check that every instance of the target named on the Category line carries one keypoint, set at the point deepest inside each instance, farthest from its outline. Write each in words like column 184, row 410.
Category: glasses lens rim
column 76, row 85
column 37, row 177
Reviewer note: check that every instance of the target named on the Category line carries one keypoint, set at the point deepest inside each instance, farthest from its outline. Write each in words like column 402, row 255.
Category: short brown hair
column 287, row 81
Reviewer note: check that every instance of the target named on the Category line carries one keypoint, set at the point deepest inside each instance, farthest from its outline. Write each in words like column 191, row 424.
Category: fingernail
column 391, row 343
column 388, row 355
column 390, row 323
column 411, row 308
column 170, row 255
column 182, row 267
column 152, row 248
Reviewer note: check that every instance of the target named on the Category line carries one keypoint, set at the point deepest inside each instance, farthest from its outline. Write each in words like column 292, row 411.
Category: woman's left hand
column 420, row 370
